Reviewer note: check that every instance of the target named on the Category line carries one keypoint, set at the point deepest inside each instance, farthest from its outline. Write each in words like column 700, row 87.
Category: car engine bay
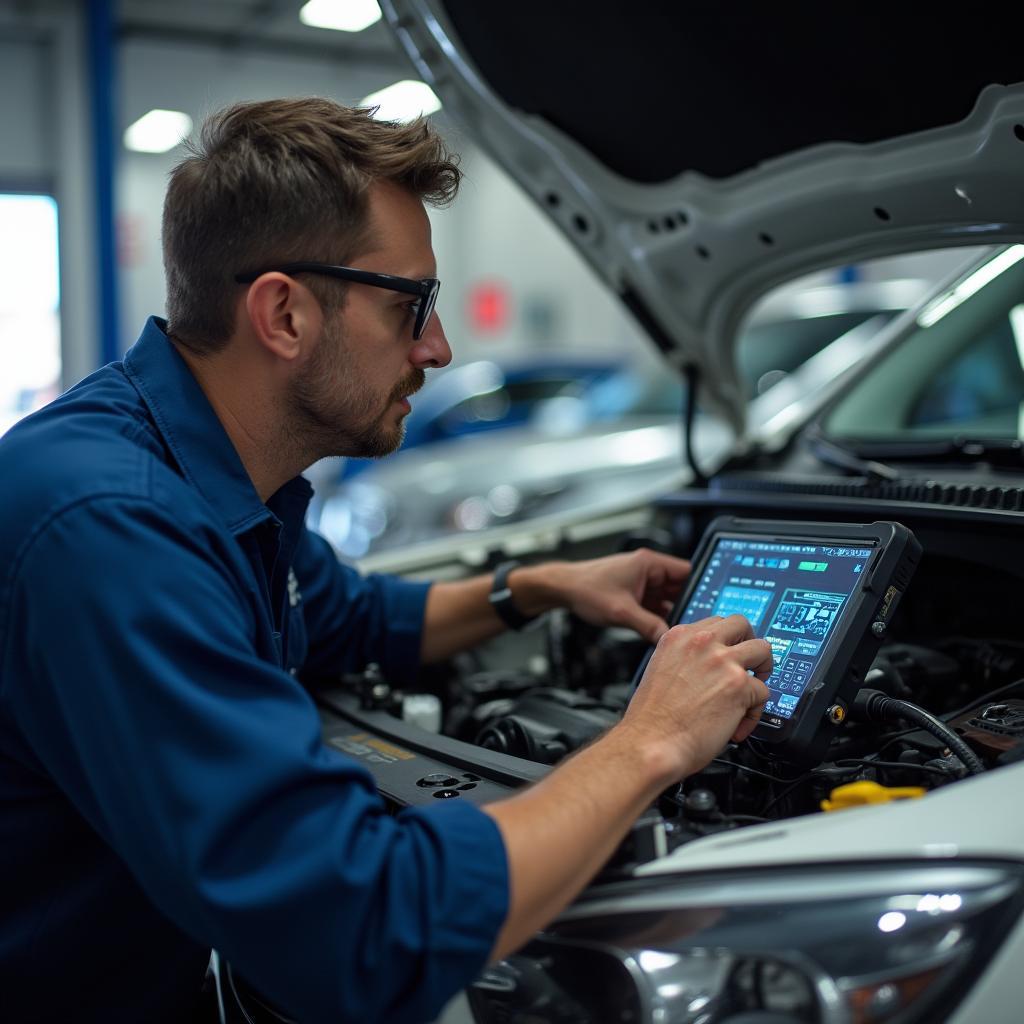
column 943, row 698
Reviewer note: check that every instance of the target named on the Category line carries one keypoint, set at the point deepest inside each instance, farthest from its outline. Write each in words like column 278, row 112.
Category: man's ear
column 285, row 316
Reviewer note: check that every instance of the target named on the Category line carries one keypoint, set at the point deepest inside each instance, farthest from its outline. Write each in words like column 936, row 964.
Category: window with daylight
column 30, row 363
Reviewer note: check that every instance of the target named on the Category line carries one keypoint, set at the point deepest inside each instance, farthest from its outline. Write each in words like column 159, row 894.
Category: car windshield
column 958, row 374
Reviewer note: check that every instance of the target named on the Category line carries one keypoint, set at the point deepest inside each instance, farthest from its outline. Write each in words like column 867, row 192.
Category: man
column 164, row 789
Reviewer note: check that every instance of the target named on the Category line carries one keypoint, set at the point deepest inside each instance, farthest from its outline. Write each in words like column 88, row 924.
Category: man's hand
column 636, row 590
column 697, row 692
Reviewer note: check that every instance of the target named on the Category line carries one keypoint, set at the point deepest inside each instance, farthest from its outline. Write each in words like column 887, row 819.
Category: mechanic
column 164, row 788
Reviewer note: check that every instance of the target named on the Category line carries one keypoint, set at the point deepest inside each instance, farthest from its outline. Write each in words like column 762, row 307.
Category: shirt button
column 293, row 672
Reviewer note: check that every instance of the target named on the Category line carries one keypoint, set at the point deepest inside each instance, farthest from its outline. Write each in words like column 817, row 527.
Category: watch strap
column 501, row 601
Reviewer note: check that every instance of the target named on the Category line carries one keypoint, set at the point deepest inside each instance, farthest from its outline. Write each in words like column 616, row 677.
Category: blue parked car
column 489, row 395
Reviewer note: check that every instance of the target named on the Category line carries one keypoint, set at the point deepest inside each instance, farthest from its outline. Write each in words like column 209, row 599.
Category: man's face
column 349, row 412
column 349, row 398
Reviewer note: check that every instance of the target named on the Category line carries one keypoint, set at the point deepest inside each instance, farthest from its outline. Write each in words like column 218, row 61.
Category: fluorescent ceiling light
column 403, row 101
column 342, row 15
column 158, row 131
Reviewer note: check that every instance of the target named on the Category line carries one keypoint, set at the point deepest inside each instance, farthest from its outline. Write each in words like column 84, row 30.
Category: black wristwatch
column 501, row 598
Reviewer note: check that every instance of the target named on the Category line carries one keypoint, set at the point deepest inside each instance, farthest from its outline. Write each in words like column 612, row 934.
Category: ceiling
column 268, row 26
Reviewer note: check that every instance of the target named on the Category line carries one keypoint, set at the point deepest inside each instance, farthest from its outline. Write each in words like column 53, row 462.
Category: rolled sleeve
column 202, row 766
column 353, row 620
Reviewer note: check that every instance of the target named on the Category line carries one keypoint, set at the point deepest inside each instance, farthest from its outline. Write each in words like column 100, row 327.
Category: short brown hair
column 282, row 180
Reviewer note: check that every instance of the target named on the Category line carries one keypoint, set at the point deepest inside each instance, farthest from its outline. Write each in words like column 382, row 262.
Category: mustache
column 409, row 386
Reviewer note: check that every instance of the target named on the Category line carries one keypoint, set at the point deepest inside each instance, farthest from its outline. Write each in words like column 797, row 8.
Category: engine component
column 547, row 724
column 647, row 840
column 994, row 728
column 424, row 710
column 578, row 653
column 916, row 666
column 375, row 692
column 477, row 695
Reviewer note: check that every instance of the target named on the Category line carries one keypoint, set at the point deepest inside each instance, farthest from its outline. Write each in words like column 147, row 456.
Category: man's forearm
column 459, row 615
column 561, row 831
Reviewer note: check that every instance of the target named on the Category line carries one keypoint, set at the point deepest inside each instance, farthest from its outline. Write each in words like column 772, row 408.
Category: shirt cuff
column 471, row 898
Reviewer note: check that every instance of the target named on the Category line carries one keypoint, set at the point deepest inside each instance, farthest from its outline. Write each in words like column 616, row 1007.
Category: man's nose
column 432, row 348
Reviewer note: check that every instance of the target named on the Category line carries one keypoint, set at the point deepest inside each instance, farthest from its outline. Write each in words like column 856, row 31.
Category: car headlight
column 836, row 945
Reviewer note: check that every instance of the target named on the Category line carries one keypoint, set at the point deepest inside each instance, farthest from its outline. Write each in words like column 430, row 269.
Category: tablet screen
column 794, row 595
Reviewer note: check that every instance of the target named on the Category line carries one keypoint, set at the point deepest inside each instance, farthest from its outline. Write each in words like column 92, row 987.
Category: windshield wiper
column 833, row 454
column 995, row 451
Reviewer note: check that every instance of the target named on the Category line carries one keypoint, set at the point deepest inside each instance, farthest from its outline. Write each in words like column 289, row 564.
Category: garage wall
column 26, row 146
column 493, row 234
column 45, row 144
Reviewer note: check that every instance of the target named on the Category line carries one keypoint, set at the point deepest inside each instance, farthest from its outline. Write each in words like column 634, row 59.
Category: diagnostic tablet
column 822, row 594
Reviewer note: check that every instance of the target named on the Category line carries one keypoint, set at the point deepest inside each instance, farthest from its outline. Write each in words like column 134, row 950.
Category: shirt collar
column 193, row 433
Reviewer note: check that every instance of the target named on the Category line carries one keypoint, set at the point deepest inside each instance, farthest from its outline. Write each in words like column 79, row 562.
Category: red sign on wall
column 487, row 307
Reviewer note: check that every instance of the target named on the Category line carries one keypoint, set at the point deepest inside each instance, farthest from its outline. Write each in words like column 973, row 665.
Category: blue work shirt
column 163, row 784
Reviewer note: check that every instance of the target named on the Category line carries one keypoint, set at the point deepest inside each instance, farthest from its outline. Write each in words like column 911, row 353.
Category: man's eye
column 412, row 308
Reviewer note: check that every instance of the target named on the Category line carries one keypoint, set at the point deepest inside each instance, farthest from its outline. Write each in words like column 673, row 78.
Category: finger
column 672, row 565
column 731, row 630
column 665, row 592
column 674, row 570
column 755, row 655
column 650, row 626
column 748, row 723
column 659, row 602
column 752, row 717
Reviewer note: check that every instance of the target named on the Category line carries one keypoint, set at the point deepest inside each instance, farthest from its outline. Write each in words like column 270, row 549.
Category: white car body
column 829, row 203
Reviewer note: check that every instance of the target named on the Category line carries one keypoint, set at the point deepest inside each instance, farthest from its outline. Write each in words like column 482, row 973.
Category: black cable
column 760, row 751
column 753, row 771
column 754, row 745
column 875, row 706
column 867, row 762
column 789, row 789
column 689, row 415
column 941, row 731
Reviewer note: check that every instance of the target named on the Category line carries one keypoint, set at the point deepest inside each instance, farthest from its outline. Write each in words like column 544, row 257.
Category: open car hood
column 698, row 155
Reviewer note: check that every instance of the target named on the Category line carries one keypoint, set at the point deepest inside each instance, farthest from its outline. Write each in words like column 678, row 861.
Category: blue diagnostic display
column 793, row 594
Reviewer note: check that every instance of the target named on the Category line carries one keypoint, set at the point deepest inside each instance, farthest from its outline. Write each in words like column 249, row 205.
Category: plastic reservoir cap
column 860, row 794
column 424, row 710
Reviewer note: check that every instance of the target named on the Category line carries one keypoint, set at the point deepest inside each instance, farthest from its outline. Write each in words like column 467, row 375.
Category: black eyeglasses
column 426, row 289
